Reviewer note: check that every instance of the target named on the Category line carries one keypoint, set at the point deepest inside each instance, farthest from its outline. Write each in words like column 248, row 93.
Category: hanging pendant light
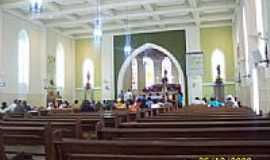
column 127, row 47
column 35, row 6
column 98, row 23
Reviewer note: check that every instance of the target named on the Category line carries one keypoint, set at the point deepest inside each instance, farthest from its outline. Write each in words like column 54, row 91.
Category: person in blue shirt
column 180, row 99
column 215, row 103
column 148, row 102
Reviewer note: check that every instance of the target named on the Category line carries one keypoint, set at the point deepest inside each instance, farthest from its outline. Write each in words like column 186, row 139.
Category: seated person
column 99, row 106
column 148, row 102
column 120, row 104
column 50, row 106
column 230, row 102
column 136, row 106
column 19, row 109
column 11, row 107
column 197, row 101
column 76, row 106
column 155, row 104
column 26, row 107
column 157, row 97
column 205, row 100
column 86, row 107
column 215, row 103
column 3, row 107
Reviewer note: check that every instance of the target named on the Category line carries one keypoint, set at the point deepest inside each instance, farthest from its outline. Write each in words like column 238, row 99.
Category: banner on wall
column 194, row 64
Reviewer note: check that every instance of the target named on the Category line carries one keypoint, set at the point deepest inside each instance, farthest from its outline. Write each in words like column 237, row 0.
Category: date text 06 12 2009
column 225, row 158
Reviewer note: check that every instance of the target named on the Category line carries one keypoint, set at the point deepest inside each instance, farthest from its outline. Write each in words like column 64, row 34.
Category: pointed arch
column 136, row 52
column 23, row 61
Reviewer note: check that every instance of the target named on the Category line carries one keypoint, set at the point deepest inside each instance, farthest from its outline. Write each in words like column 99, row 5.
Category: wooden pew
column 162, row 157
column 201, row 108
column 125, row 150
column 196, row 124
column 70, row 129
column 87, row 124
column 225, row 133
column 20, row 139
column 201, row 118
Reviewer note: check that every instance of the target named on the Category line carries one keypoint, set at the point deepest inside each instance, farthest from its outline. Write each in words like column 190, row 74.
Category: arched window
column 260, row 28
column 23, row 61
column 167, row 65
column 60, row 66
column 218, row 59
column 149, row 71
column 134, row 74
column 88, row 69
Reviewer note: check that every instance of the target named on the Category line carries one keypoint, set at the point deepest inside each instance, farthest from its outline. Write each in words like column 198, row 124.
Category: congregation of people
column 18, row 106
column 126, row 100
column 229, row 101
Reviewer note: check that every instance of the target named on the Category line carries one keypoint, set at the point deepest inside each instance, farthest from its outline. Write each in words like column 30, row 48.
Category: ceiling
column 75, row 18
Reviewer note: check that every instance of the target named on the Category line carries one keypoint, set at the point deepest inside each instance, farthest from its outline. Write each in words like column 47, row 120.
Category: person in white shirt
column 155, row 105
column 11, row 107
column 128, row 96
column 197, row 101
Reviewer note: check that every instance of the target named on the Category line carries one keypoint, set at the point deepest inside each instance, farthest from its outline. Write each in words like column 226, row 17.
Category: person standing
column 180, row 99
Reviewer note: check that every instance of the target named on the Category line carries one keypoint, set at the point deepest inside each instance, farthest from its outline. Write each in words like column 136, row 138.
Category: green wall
column 218, row 38
column 173, row 41
column 85, row 48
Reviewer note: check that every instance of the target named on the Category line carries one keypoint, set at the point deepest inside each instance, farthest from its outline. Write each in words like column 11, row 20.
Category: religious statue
column 218, row 79
column 87, row 85
column 218, row 71
column 219, row 86
column 165, row 85
column 50, row 87
column 165, row 78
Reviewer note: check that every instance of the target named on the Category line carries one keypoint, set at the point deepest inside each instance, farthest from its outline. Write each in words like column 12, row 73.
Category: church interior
column 123, row 80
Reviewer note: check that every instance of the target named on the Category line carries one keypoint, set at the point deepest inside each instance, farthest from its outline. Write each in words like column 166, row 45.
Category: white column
column 43, row 67
column 193, row 45
column 1, row 50
column 107, row 68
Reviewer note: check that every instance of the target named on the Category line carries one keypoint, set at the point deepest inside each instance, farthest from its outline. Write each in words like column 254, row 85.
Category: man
column 76, row 106
column 122, row 95
column 148, row 102
column 3, row 107
column 230, row 102
column 26, row 106
column 11, row 107
column 19, row 109
column 129, row 95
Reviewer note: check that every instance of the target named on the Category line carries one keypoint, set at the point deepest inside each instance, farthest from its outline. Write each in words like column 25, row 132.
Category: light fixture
column 98, row 28
column 127, row 47
column 98, row 23
column 35, row 6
